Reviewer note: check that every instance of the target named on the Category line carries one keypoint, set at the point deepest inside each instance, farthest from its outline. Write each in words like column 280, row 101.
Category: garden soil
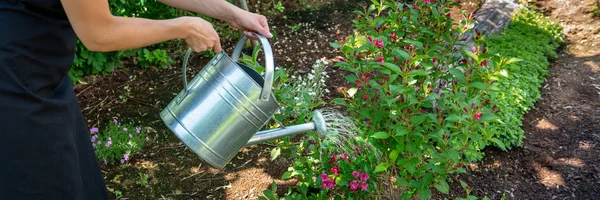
column 560, row 158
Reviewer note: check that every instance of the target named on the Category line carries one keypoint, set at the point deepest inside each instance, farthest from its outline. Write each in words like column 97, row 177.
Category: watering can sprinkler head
column 319, row 121
column 318, row 124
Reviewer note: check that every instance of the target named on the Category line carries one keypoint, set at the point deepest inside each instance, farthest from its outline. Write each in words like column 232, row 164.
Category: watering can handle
column 269, row 63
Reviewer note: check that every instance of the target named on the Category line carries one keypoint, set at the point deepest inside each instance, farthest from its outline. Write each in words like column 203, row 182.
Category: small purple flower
column 148, row 131
column 124, row 128
column 126, row 157
column 108, row 143
column 364, row 177
column 94, row 144
column 356, row 174
column 93, row 139
column 115, row 121
column 130, row 136
column 363, row 186
column 109, row 139
column 99, row 142
column 138, row 129
column 353, row 185
column 324, row 176
column 105, row 161
column 147, row 138
column 93, row 130
column 122, row 161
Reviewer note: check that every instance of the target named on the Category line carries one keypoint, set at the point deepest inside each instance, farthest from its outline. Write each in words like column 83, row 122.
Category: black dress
column 45, row 148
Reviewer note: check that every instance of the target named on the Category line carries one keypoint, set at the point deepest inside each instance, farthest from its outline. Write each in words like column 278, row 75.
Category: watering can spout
column 317, row 124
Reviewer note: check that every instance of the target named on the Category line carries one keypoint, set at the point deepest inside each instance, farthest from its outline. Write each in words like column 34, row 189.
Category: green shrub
column 425, row 108
column 117, row 142
column 532, row 38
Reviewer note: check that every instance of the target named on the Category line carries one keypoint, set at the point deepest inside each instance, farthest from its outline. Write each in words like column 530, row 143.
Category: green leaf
column 382, row 167
column 400, row 54
column 286, row 175
column 262, row 198
column 273, row 186
column 443, row 187
column 472, row 55
column 401, row 130
column 269, row 194
column 490, row 117
column 478, row 85
column 463, row 184
column 380, row 135
column 424, row 193
column 275, row 153
column 513, row 60
column 392, row 67
column 453, row 154
column 414, row 42
column 335, row 44
column 394, row 155
column 499, row 143
column 419, row 72
column 460, row 76
column 417, row 120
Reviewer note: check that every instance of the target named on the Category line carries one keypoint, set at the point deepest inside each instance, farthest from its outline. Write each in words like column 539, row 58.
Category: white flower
column 293, row 76
column 310, row 76
column 326, row 90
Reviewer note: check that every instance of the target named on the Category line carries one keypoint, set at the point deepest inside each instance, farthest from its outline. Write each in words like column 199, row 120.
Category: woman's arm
column 99, row 30
column 223, row 10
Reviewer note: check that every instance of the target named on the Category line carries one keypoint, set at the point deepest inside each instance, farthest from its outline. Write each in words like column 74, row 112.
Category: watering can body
column 223, row 106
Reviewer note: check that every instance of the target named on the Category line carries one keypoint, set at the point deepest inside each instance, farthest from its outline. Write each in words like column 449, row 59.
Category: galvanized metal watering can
column 224, row 106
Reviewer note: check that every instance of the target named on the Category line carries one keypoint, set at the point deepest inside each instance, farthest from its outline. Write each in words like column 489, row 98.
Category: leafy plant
column 296, row 27
column 143, row 179
column 423, row 101
column 118, row 142
column 532, row 38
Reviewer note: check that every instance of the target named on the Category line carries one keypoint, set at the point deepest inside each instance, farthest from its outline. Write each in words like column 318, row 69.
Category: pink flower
column 395, row 58
column 335, row 170
column 332, row 159
column 378, row 43
column 109, row 139
column 393, row 35
column 122, row 161
column 130, row 136
column 124, row 128
column 353, row 185
column 356, row 174
column 358, row 83
column 147, row 138
column 380, row 59
column 363, row 186
column 427, row 1
column 328, row 183
column 324, row 176
column 93, row 130
column 366, row 97
column 93, row 144
column 477, row 116
column 108, row 143
column 344, row 156
column 138, row 129
column 126, row 157
column 364, row 177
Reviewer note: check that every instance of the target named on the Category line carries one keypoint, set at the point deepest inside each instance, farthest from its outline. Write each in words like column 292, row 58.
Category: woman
column 46, row 152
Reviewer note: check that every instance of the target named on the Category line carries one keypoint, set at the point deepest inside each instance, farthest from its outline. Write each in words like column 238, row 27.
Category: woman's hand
column 251, row 22
column 200, row 34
